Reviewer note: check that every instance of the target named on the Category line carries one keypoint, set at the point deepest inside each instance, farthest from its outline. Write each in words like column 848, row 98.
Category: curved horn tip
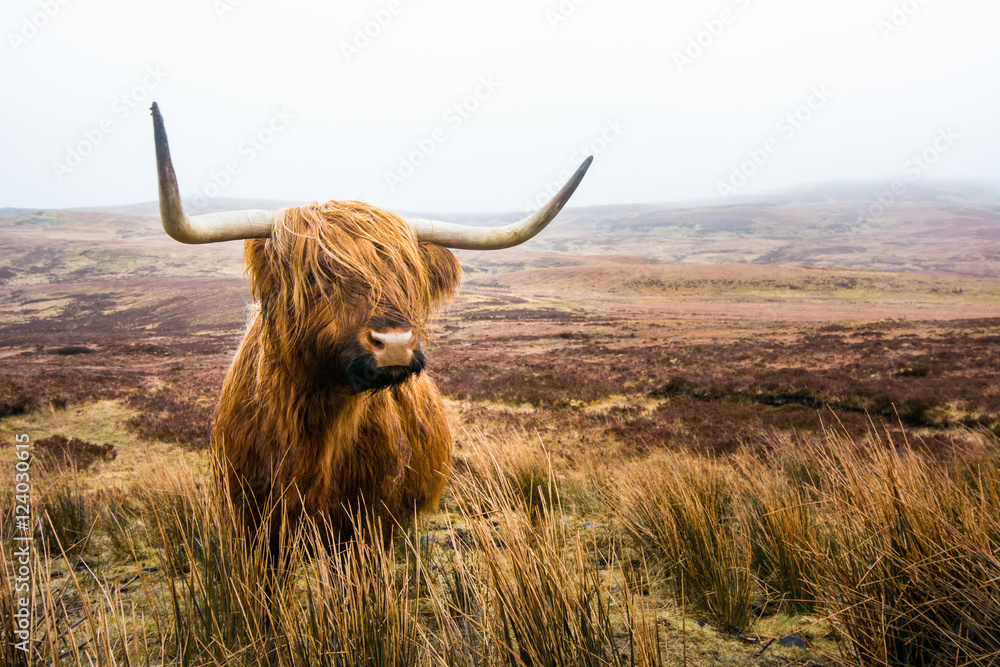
column 154, row 111
column 575, row 179
column 452, row 235
column 159, row 131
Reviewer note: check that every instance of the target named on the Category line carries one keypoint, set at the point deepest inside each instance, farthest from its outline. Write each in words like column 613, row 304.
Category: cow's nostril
column 374, row 342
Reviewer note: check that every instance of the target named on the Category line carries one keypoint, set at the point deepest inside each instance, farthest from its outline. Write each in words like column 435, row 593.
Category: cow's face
column 346, row 292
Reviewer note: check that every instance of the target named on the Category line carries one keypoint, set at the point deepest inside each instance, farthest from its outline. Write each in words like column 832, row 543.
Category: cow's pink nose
column 391, row 348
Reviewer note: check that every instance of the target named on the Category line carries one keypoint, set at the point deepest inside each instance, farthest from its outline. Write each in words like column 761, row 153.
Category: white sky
column 674, row 134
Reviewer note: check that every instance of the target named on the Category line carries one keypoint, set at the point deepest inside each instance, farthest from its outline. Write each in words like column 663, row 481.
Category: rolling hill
column 952, row 231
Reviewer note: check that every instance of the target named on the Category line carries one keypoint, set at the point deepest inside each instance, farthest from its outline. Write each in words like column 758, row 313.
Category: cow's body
column 294, row 431
column 389, row 451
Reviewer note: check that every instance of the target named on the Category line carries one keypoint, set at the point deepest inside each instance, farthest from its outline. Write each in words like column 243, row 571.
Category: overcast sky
column 449, row 105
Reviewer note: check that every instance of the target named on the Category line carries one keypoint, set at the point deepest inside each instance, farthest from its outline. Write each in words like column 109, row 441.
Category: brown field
column 591, row 374
column 632, row 358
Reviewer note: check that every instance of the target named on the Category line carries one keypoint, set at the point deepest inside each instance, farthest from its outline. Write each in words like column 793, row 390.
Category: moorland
column 764, row 433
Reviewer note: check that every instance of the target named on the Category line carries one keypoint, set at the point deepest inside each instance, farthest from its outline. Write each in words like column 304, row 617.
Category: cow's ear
column 444, row 271
column 260, row 268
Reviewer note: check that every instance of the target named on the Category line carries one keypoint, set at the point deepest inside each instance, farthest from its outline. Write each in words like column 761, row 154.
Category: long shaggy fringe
column 346, row 253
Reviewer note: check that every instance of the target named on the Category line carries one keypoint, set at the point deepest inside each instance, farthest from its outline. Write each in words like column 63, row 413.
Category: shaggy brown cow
column 325, row 409
column 308, row 404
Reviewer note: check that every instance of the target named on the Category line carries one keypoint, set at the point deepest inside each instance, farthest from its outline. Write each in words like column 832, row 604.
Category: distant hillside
column 213, row 206
column 72, row 246
column 941, row 231
column 945, row 230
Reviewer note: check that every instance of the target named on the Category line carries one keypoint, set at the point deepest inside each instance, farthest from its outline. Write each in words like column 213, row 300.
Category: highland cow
column 326, row 409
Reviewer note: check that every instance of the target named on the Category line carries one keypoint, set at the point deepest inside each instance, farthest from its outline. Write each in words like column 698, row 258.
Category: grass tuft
column 683, row 512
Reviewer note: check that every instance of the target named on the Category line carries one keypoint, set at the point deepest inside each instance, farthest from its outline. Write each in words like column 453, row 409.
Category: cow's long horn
column 208, row 228
column 468, row 237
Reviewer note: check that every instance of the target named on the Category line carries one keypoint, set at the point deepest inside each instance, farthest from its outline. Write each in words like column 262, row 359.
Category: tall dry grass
column 684, row 511
column 898, row 550
column 507, row 583
column 915, row 578
column 527, row 579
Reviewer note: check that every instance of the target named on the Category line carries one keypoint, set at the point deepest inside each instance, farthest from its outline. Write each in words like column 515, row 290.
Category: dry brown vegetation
column 655, row 464
column 639, row 394
column 938, row 379
column 60, row 452
column 863, row 552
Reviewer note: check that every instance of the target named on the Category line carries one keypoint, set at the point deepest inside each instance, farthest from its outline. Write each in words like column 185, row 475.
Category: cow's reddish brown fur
column 286, row 429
